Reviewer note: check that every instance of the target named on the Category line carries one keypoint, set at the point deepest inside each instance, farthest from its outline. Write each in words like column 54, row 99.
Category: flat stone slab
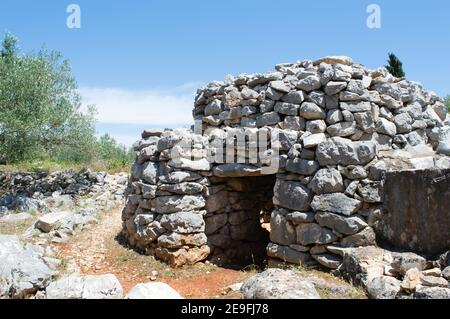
column 85, row 287
column 236, row 170
column 153, row 290
column 51, row 221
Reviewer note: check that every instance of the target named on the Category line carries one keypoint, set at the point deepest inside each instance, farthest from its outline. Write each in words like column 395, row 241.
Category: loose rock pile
column 62, row 202
column 394, row 275
column 340, row 127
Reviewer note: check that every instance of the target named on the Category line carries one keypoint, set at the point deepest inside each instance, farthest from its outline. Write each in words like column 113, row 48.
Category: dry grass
column 15, row 228
column 52, row 166
column 328, row 285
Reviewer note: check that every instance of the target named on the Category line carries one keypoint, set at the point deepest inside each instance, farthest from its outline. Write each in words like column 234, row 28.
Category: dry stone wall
column 334, row 128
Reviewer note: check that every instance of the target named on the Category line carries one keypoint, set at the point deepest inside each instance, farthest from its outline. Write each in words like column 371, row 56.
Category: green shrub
column 42, row 127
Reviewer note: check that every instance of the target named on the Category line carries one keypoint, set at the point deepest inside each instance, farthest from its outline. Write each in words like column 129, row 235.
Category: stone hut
column 294, row 165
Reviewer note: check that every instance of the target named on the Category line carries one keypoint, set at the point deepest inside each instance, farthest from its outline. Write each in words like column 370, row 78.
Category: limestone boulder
column 278, row 284
column 345, row 152
column 337, row 203
column 85, row 287
column 292, row 195
column 153, row 290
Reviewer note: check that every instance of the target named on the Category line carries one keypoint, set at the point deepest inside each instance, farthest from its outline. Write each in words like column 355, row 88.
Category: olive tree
column 40, row 107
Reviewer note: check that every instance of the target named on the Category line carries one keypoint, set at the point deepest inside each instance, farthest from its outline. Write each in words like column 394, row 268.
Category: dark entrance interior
column 243, row 239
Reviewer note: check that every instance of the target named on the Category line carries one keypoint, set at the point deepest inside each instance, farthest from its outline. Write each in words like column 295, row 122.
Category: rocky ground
column 63, row 244
column 63, row 241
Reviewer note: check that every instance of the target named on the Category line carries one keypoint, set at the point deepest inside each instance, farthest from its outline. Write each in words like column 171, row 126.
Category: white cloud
column 154, row 107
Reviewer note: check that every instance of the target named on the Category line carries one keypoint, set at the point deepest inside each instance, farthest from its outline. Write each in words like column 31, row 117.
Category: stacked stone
column 333, row 119
column 39, row 192
column 44, row 184
column 330, row 97
column 183, row 211
column 165, row 203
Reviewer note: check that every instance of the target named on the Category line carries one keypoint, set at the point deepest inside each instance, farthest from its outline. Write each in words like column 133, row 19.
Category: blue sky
column 141, row 61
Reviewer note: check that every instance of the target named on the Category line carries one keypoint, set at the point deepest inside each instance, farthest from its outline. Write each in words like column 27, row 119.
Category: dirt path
column 96, row 251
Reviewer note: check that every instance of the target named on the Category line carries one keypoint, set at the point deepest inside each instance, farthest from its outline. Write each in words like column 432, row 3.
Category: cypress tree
column 395, row 66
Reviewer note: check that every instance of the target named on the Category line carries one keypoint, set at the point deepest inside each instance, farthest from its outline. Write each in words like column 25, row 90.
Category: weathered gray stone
column 383, row 287
column 188, row 188
column 370, row 192
column 51, row 221
column 444, row 143
column 334, row 116
column 433, row 281
column 328, row 260
column 332, row 60
column 316, row 126
column 341, row 224
column 153, row 290
column 152, row 133
column 23, row 270
column 312, row 111
column 213, row 108
column 310, row 141
column 173, row 204
column 411, row 194
column 268, row 119
column 183, row 222
column 406, row 261
column 354, row 172
column 404, row 122
column 278, row 284
column 311, row 233
column 87, row 287
column 179, row 177
column 345, row 152
column 175, row 240
column 248, row 94
column 327, row 180
column 236, row 170
column 191, row 165
column 446, row 273
column 365, row 121
column 300, row 217
column 287, row 108
column 288, row 254
column 301, row 166
column 286, row 138
column 281, row 231
column 384, row 126
column 363, row 264
column 295, row 97
column 342, row 129
column 167, row 142
column 280, row 86
column 364, row 238
column 310, row 83
column 336, row 203
column 356, row 107
column 150, row 172
column 295, row 123
column 292, row 195
column 333, row 88
column 423, row 292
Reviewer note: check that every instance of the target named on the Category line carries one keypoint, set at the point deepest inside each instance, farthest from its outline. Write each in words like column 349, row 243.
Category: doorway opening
column 239, row 232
